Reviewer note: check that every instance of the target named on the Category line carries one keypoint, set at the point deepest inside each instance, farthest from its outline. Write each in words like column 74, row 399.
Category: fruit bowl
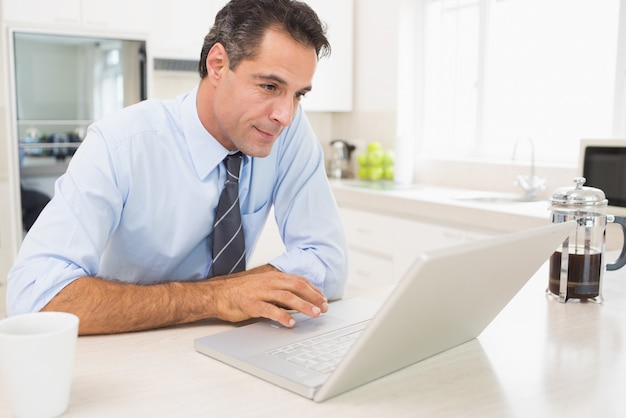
column 375, row 164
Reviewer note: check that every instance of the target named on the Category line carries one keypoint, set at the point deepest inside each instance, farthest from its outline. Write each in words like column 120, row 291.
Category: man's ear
column 216, row 62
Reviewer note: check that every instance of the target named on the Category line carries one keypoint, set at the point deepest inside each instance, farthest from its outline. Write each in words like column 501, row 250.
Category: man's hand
column 267, row 293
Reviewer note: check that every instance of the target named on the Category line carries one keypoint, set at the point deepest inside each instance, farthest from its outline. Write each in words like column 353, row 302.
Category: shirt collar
column 206, row 152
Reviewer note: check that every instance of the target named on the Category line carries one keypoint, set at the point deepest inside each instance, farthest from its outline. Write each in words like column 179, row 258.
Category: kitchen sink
column 495, row 197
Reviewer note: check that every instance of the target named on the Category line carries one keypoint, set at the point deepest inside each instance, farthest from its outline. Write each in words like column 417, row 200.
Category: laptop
column 446, row 298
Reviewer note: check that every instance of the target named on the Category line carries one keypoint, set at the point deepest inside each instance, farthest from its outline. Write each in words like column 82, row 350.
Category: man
column 126, row 241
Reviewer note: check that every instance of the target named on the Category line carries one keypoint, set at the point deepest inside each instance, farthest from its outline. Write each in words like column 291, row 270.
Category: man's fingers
column 304, row 290
column 290, row 300
column 279, row 315
column 270, row 295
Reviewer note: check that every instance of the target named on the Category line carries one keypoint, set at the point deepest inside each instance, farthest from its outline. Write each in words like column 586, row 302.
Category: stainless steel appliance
column 62, row 84
column 339, row 165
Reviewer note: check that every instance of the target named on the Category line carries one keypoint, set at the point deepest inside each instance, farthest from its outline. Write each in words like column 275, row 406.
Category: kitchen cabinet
column 123, row 15
column 132, row 16
column 178, row 32
column 382, row 248
column 333, row 80
column 36, row 11
column 370, row 241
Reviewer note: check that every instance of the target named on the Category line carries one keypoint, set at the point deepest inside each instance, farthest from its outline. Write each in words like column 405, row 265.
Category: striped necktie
column 229, row 248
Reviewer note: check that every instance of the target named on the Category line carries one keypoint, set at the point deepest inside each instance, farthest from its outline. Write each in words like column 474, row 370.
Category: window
column 500, row 71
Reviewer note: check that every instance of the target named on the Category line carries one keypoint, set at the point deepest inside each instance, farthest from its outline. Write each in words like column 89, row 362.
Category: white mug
column 37, row 352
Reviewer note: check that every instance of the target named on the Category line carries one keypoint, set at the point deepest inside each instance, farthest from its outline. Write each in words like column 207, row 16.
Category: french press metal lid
column 579, row 195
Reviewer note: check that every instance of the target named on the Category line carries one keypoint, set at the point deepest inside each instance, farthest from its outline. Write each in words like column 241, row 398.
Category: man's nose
column 283, row 109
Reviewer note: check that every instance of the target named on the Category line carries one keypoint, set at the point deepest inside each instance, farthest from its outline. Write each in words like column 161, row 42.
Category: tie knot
column 233, row 165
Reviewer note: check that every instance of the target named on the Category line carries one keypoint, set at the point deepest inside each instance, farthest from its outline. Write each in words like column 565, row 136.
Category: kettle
column 577, row 266
column 339, row 165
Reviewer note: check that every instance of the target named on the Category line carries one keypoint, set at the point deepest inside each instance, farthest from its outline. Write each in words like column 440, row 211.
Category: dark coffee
column 583, row 275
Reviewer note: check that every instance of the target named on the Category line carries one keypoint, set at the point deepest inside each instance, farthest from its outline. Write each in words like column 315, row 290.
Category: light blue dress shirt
column 138, row 200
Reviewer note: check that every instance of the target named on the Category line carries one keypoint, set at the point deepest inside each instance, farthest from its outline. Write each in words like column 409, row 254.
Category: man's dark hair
column 241, row 24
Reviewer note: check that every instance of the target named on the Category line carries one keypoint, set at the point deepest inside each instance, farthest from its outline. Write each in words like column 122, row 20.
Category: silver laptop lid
column 446, row 298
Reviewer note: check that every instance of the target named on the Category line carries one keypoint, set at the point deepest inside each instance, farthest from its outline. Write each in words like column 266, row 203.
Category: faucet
column 530, row 184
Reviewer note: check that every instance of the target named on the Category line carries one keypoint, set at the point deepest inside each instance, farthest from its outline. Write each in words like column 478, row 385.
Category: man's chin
column 257, row 151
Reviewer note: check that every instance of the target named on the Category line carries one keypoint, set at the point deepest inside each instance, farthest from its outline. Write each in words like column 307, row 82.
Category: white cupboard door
column 369, row 231
column 66, row 12
column 332, row 83
column 178, row 31
column 396, row 242
column 367, row 270
column 134, row 16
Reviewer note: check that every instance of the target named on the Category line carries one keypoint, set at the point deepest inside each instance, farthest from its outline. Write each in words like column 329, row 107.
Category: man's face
column 254, row 103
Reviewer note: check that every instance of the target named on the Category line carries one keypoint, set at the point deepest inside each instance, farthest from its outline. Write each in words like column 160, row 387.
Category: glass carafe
column 577, row 266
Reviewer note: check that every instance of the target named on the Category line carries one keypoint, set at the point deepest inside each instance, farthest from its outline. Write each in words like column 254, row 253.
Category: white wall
column 171, row 84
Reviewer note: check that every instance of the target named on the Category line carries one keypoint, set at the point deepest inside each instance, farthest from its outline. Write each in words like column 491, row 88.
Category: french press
column 577, row 266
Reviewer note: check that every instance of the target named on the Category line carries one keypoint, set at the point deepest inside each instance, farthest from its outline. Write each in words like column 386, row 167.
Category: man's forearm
column 107, row 307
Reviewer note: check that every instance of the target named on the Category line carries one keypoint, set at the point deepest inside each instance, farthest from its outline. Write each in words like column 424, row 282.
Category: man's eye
column 268, row 87
column 301, row 95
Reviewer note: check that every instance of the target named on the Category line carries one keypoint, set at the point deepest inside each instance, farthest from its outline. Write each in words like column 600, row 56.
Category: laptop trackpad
column 340, row 314
column 311, row 326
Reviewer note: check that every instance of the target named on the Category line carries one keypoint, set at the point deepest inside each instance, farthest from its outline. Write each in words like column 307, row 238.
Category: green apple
column 388, row 173
column 363, row 173
column 375, row 158
column 376, row 173
column 374, row 146
column 388, row 158
column 362, row 159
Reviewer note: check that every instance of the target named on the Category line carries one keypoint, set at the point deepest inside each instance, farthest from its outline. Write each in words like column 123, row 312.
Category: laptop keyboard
column 323, row 352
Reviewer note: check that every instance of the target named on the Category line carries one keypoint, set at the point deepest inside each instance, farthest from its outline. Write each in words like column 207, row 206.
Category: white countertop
column 538, row 358
column 446, row 206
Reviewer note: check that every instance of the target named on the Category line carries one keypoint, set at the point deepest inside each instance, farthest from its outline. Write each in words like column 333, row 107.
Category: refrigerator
column 62, row 83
